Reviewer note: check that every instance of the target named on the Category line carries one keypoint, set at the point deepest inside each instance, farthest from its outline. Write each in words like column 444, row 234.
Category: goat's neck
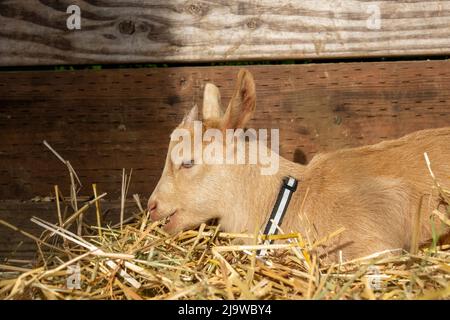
column 258, row 197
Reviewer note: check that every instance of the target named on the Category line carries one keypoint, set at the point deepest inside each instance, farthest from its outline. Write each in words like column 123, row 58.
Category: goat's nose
column 152, row 205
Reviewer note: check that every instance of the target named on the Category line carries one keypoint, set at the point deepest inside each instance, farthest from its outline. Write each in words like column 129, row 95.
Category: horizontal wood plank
column 103, row 121
column 34, row 32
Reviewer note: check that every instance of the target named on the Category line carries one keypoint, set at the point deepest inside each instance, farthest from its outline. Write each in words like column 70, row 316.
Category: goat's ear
column 189, row 118
column 243, row 102
column 212, row 108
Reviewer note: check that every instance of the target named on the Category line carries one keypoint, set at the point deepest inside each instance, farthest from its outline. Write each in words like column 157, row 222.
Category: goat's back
column 375, row 191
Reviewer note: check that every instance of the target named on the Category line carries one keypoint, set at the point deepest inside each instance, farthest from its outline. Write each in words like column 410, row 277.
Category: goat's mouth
column 165, row 222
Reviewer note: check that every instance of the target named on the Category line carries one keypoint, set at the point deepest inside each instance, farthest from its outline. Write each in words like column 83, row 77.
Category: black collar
column 288, row 187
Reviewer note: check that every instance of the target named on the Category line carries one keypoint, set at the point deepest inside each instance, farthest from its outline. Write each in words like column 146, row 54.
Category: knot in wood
column 182, row 81
column 253, row 23
column 195, row 9
column 126, row 27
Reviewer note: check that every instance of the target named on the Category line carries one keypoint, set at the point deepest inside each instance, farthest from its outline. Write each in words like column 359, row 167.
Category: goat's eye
column 187, row 164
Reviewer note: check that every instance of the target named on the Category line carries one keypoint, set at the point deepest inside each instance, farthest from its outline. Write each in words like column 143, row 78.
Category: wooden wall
column 34, row 31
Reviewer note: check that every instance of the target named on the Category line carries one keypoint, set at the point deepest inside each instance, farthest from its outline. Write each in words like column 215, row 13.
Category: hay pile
column 136, row 259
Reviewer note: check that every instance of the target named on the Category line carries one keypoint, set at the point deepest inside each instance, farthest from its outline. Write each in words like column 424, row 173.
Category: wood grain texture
column 34, row 32
column 103, row 121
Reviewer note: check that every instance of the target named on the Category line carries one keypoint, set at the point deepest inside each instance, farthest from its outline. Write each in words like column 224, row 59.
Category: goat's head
column 191, row 190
